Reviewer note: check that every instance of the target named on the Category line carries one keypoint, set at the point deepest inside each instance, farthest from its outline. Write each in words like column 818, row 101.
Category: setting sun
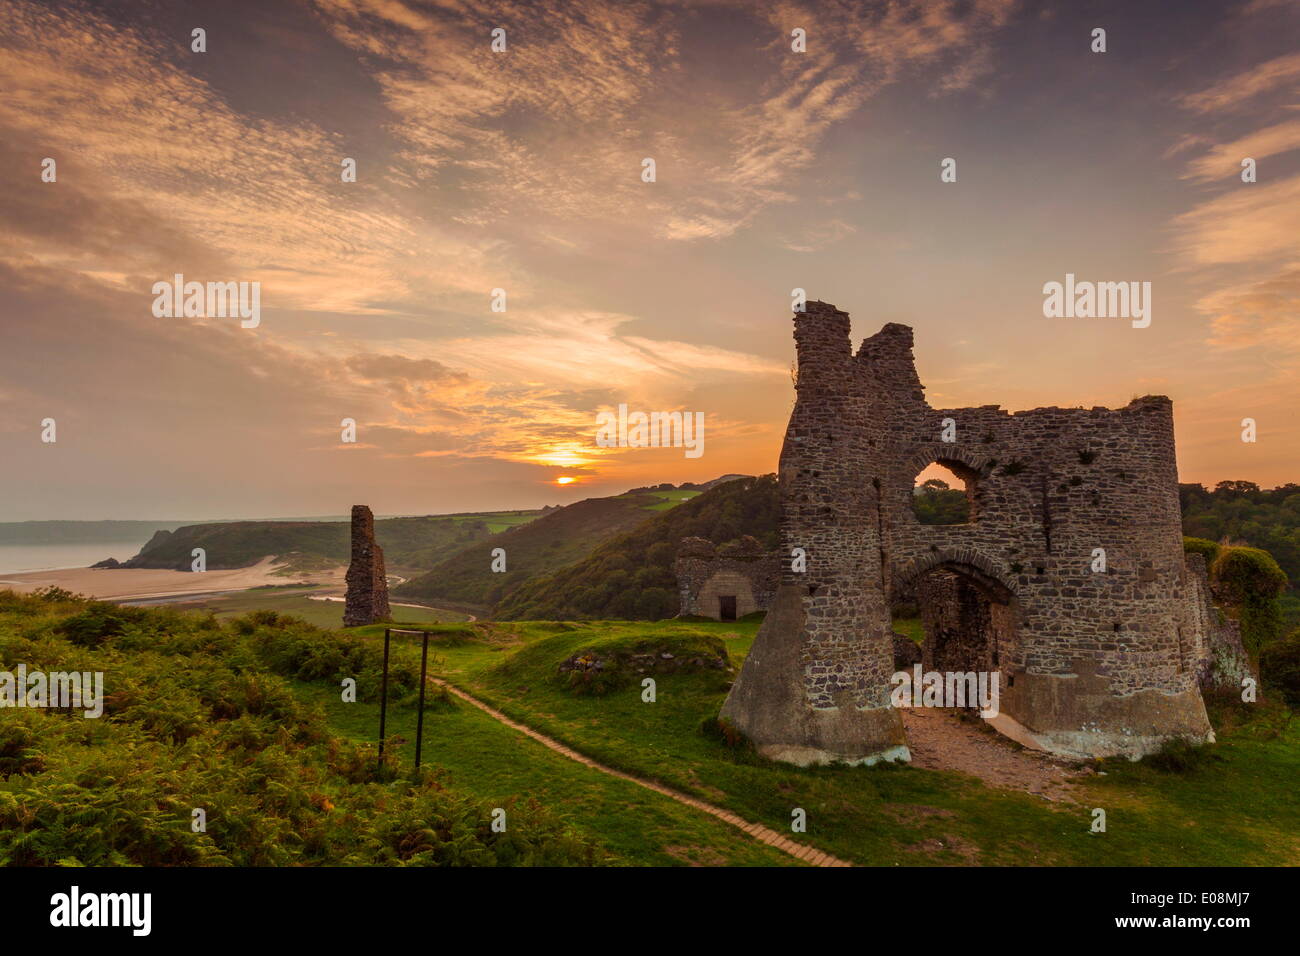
column 565, row 480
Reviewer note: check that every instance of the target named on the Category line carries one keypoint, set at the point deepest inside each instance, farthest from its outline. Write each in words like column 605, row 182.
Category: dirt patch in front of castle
column 942, row 739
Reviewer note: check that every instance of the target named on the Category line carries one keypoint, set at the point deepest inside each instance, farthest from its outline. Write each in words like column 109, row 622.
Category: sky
column 522, row 170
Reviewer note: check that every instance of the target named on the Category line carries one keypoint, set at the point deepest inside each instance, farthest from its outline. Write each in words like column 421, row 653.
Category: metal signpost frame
column 383, row 692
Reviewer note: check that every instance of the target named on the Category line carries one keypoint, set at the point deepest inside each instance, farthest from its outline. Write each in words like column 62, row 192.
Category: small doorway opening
column 726, row 607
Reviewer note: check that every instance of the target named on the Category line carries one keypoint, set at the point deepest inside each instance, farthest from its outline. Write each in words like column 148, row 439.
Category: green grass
column 199, row 714
column 244, row 718
column 1237, row 808
column 494, row 763
column 294, row 600
column 244, row 715
column 667, row 499
column 910, row 627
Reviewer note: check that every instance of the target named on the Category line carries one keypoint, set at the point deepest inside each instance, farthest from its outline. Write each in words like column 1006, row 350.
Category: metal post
column 419, row 723
column 383, row 698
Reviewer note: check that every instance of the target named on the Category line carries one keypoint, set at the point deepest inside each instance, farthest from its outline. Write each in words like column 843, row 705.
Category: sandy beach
column 115, row 584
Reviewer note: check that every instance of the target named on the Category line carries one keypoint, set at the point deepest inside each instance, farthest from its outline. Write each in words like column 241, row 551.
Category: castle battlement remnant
column 1092, row 662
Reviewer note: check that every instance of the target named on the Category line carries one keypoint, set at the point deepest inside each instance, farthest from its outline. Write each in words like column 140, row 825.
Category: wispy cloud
column 1223, row 161
column 1279, row 73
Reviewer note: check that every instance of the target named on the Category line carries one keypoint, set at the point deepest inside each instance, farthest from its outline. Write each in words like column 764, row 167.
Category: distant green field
column 294, row 600
column 498, row 521
column 668, row 499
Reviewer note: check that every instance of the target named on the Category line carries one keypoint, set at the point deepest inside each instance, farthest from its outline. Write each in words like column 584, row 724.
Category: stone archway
column 982, row 569
column 970, row 615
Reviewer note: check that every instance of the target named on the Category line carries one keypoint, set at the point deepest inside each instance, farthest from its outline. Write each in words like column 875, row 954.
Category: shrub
column 1202, row 546
column 56, row 595
column 1242, row 575
column 1250, row 581
column 609, row 665
column 96, row 624
column 1279, row 669
column 19, row 751
column 196, row 717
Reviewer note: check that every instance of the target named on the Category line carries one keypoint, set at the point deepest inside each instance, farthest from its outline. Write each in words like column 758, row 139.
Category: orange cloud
column 1234, row 91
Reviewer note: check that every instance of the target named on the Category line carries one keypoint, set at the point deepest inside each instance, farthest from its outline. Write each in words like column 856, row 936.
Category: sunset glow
column 521, row 172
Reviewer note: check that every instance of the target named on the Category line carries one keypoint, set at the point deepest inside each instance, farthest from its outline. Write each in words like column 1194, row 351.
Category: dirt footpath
column 940, row 740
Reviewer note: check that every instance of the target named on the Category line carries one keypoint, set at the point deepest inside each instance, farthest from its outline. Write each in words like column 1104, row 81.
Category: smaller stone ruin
column 726, row 583
column 367, row 598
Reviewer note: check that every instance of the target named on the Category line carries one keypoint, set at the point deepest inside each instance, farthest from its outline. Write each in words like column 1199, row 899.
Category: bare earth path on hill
column 940, row 740
column 799, row 851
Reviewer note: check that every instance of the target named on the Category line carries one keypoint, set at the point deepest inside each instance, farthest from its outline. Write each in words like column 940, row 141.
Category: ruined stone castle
column 1093, row 661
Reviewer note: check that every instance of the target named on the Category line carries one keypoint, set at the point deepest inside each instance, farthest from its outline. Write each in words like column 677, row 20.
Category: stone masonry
column 745, row 572
column 1091, row 662
column 367, row 597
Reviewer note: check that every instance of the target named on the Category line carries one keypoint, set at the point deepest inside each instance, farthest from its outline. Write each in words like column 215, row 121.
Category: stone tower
column 367, row 597
column 1091, row 662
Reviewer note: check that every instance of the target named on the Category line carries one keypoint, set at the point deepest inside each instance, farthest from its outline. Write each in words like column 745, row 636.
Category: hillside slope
column 224, row 714
column 631, row 576
column 415, row 543
column 540, row 547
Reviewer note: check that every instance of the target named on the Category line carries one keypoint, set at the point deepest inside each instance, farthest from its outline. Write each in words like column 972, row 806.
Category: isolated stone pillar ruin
column 367, row 596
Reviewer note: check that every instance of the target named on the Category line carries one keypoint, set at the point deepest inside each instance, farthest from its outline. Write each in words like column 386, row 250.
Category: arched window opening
column 944, row 494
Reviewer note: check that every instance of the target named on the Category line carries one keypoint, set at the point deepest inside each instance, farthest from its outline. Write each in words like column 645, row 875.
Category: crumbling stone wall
column 1214, row 647
column 746, row 571
column 367, row 595
column 1093, row 662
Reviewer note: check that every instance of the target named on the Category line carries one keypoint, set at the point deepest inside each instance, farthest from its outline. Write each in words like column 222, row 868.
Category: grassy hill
column 1227, row 804
column 631, row 575
column 202, row 714
column 412, row 543
column 559, row 538
column 243, row 718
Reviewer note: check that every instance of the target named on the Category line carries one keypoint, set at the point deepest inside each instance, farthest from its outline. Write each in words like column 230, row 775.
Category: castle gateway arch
column 1091, row 663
